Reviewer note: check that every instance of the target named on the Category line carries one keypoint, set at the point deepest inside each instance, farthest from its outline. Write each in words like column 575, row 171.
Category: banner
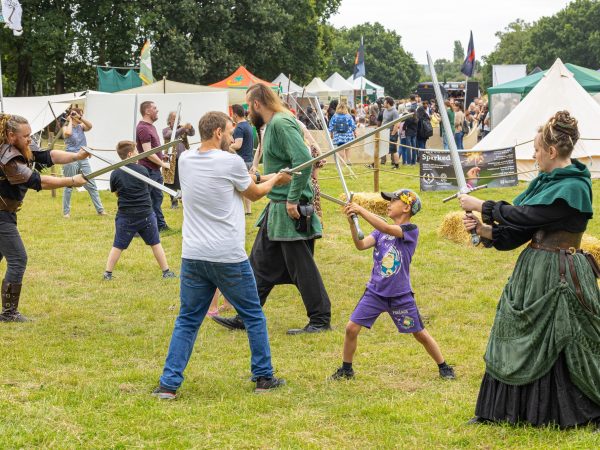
column 468, row 67
column 146, row 64
column 10, row 14
column 359, row 61
column 496, row 168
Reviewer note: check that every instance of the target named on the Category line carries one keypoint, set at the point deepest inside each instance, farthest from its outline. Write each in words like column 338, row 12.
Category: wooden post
column 376, row 163
column 53, row 168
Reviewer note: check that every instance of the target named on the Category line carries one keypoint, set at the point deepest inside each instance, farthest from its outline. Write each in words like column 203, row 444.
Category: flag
column 468, row 67
column 359, row 61
column 146, row 64
column 11, row 16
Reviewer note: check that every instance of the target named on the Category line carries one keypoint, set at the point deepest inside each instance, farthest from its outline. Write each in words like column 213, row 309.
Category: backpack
column 341, row 125
column 425, row 129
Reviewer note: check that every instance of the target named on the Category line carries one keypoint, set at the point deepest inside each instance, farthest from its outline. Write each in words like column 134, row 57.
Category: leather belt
column 566, row 245
column 10, row 205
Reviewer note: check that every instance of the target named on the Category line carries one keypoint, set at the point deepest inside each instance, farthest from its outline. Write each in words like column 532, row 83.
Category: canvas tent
column 371, row 90
column 556, row 90
column 287, row 86
column 505, row 97
column 165, row 86
column 37, row 110
column 318, row 88
column 345, row 88
column 505, row 73
column 123, row 110
column 238, row 83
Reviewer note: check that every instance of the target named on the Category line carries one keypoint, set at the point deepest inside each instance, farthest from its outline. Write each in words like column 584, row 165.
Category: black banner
column 495, row 168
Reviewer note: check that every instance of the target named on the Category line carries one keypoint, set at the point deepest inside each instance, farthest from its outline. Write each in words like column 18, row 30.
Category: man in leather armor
column 19, row 172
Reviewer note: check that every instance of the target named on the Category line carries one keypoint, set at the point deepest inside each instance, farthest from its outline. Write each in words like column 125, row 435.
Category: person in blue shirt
column 74, row 133
column 342, row 129
column 243, row 143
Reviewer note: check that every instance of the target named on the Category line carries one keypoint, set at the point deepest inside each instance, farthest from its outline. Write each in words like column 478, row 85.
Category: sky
column 434, row 25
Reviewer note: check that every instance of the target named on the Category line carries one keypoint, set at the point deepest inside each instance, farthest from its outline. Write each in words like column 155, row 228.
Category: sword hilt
column 475, row 238
column 354, row 217
column 447, row 199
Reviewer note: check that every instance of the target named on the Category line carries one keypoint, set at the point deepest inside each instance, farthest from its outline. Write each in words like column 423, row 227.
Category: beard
column 256, row 120
column 225, row 145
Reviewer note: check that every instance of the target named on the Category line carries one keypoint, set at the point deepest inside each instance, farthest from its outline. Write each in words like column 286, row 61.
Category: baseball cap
column 407, row 196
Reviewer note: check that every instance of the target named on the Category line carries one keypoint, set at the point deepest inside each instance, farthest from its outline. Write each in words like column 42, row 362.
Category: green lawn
column 80, row 375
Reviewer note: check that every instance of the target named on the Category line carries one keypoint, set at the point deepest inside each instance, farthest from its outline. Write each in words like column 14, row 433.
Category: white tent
column 286, row 83
column 115, row 116
column 165, row 86
column 368, row 85
column 318, row 88
column 37, row 110
column 557, row 91
column 346, row 89
column 504, row 73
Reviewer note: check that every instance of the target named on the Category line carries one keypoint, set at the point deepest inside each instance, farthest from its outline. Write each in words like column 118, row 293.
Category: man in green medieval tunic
column 284, row 247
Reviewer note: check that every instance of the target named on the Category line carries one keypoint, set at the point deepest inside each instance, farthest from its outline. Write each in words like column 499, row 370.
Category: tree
column 459, row 52
column 387, row 63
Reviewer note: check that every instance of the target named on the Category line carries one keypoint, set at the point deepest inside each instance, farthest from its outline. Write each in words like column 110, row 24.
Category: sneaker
column 14, row 316
column 164, row 394
column 102, row 213
column 342, row 374
column 395, row 166
column 164, row 229
column 67, row 216
column 174, row 205
column 107, row 276
column 447, row 372
column 308, row 329
column 232, row 323
column 264, row 384
column 169, row 274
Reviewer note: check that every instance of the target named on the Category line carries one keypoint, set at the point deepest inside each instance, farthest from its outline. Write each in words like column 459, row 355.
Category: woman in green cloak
column 543, row 356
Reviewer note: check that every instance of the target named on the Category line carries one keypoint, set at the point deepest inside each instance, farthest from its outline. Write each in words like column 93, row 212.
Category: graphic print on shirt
column 391, row 261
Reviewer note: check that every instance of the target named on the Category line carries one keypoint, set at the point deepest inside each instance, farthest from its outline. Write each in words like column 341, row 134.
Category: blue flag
column 359, row 61
column 468, row 67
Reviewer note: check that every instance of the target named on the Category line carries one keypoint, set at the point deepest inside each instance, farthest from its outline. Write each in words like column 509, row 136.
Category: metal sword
column 354, row 217
column 309, row 163
column 152, row 151
column 175, row 125
column 454, row 156
column 134, row 174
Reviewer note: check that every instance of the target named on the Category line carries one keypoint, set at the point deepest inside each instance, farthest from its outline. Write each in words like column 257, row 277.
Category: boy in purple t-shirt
column 389, row 288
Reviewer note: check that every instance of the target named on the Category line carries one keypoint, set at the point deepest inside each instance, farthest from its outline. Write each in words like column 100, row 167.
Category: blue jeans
column 422, row 144
column 458, row 137
column 411, row 141
column 404, row 151
column 72, row 169
column 156, row 195
column 199, row 279
column 445, row 141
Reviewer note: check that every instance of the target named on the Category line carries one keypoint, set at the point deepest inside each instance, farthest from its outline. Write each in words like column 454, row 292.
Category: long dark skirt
column 550, row 400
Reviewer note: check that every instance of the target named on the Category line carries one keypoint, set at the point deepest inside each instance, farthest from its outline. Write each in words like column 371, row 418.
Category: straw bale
column 591, row 245
column 371, row 201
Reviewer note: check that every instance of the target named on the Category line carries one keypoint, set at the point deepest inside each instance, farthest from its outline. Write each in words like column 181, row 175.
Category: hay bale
column 591, row 245
column 452, row 228
column 371, row 201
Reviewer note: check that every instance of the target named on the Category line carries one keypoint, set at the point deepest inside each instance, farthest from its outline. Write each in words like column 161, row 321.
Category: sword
column 337, row 201
column 460, row 176
column 175, row 125
column 354, row 217
column 152, row 151
column 135, row 174
column 333, row 151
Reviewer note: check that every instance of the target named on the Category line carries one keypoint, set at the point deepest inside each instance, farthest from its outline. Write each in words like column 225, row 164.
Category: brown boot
column 10, row 303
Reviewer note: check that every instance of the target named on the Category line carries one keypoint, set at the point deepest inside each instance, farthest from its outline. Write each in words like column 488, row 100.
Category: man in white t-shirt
column 213, row 181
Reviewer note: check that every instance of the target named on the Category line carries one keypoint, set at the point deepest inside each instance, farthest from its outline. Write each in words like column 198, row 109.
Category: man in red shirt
column 146, row 138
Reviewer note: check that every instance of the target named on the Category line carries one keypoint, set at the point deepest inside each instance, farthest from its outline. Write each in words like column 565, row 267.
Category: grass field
column 80, row 375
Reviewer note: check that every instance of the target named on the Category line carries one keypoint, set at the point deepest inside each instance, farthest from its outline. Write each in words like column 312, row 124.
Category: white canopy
column 318, row 88
column 165, row 86
column 346, row 89
column 115, row 116
column 37, row 109
column 285, row 82
column 363, row 83
column 558, row 90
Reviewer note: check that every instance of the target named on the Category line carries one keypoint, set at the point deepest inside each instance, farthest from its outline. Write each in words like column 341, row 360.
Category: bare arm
column 50, row 182
column 237, row 144
column 153, row 158
column 258, row 191
column 62, row 157
column 376, row 222
column 361, row 244
column 68, row 128
column 87, row 125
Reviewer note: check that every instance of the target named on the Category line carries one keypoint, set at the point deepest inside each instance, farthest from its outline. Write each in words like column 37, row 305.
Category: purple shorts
column 403, row 311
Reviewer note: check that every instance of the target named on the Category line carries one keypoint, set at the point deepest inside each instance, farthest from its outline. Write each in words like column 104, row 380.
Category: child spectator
column 389, row 289
column 134, row 213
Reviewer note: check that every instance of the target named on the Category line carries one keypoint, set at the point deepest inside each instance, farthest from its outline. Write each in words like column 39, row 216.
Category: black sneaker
column 447, row 372
column 107, row 276
column 264, row 384
column 163, row 393
column 231, row 323
column 169, row 274
column 164, row 229
column 342, row 374
column 309, row 329
column 13, row 316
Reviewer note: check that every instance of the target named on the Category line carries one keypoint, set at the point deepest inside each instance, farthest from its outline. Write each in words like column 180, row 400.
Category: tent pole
column 1, row 90
column 135, row 107
column 362, row 82
column 466, row 89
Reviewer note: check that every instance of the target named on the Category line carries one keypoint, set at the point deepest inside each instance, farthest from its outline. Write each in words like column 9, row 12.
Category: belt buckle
column 572, row 250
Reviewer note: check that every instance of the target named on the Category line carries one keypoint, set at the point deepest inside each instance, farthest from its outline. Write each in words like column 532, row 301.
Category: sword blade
column 303, row 166
column 124, row 162
column 337, row 201
column 134, row 174
column 175, row 125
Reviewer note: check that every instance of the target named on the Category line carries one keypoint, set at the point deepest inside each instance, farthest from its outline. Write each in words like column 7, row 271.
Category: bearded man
column 18, row 173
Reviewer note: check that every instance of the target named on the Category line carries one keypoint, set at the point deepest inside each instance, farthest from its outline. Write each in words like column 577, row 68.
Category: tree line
column 194, row 41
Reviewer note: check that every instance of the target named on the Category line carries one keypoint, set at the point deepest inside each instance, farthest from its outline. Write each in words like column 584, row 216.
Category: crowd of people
column 542, row 362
